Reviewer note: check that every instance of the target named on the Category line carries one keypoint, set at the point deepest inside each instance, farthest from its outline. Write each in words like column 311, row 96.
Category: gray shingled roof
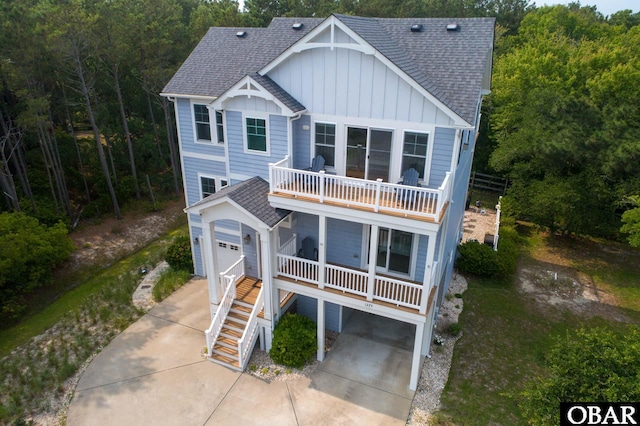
column 252, row 196
column 221, row 59
column 277, row 91
column 448, row 64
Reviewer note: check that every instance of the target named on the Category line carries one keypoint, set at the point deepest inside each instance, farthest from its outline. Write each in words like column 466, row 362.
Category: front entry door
column 368, row 153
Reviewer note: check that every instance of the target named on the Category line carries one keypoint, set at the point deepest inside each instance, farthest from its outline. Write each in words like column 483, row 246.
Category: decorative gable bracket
column 249, row 87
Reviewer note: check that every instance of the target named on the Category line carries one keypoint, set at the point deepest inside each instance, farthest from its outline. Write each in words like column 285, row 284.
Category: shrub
column 480, row 259
column 454, row 329
column 592, row 365
column 29, row 251
column 179, row 254
column 294, row 341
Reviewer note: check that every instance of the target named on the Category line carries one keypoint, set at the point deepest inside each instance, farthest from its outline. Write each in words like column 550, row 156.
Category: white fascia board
column 185, row 96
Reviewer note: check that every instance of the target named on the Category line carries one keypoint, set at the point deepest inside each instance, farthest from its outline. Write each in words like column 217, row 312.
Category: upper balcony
column 413, row 202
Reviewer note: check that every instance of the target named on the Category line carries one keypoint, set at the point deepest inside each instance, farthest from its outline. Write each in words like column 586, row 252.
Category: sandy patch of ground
column 112, row 239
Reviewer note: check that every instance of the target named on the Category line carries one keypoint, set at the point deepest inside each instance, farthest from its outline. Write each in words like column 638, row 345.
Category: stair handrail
column 213, row 332
column 250, row 330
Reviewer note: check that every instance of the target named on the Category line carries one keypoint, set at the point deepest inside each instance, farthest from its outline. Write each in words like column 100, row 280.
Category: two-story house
column 326, row 165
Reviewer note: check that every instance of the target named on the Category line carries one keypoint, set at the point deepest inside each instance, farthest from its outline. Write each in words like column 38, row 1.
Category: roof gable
column 250, row 195
column 448, row 67
column 262, row 87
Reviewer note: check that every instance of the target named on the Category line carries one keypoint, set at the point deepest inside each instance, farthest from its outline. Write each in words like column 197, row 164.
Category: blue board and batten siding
column 248, row 164
column 350, row 83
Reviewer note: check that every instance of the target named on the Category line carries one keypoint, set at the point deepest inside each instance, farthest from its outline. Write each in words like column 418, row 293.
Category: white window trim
column 215, row 126
column 218, row 182
column 245, row 140
column 366, row 241
column 313, row 143
column 193, row 122
column 430, row 144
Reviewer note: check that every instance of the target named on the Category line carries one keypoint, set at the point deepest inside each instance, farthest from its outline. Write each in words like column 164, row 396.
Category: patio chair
column 317, row 164
column 311, row 182
column 409, row 178
column 308, row 250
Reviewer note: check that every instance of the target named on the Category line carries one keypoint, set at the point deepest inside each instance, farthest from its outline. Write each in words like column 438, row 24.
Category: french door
column 368, row 153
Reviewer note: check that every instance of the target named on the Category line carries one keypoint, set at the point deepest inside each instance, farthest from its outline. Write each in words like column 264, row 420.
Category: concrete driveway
column 154, row 373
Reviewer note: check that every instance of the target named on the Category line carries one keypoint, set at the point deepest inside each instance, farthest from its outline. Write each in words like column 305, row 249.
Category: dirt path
column 102, row 243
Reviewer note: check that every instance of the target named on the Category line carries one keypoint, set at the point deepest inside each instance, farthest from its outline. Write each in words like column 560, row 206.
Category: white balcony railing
column 400, row 293
column 347, row 280
column 351, row 281
column 376, row 195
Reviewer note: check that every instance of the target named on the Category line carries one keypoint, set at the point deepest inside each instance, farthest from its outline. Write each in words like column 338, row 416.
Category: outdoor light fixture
column 247, row 239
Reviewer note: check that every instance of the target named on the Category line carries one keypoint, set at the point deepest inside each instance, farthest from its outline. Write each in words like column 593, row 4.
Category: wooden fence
column 483, row 182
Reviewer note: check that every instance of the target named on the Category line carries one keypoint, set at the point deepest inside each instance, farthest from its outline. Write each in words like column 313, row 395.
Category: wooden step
column 226, row 360
column 228, row 352
column 241, row 307
column 234, row 324
column 230, row 332
column 238, row 317
column 229, row 342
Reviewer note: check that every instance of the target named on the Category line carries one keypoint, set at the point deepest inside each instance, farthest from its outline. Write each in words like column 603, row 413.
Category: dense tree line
column 565, row 116
column 83, row 129
column 82, row 124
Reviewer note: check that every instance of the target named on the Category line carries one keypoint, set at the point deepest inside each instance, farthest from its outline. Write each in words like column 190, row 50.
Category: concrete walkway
column 154, row 374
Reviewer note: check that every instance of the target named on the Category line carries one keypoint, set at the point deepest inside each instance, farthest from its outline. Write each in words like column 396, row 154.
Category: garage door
column 228, row 254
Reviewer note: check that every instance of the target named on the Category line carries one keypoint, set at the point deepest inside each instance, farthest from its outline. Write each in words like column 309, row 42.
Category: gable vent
column 241, row 34
column 297, row 26
column 453, row 27
column 416, row 28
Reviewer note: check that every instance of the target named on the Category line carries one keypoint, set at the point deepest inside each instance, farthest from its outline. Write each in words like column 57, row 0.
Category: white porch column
column 267, row 274
column 211, row 262
column 428, row 334
column 322, row 250
column 415, row 363
column 428, row 273
column 320, row 324
column 373, row 257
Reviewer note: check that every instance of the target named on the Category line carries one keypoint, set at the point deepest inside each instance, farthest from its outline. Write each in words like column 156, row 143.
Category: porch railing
column 346, row 280
column 298, row 268
column 352, row 281
column 375, row 195
column 250, row 332
column 400, row 293
column 214, row 329
column 237, row 270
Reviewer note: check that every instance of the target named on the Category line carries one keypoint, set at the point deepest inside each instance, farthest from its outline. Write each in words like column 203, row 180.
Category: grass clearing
column 507, row 332
column 12, row 337
column 48, row 347
column 169, row 281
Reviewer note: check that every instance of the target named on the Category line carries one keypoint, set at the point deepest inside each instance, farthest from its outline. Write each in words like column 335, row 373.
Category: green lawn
column 507, row 333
